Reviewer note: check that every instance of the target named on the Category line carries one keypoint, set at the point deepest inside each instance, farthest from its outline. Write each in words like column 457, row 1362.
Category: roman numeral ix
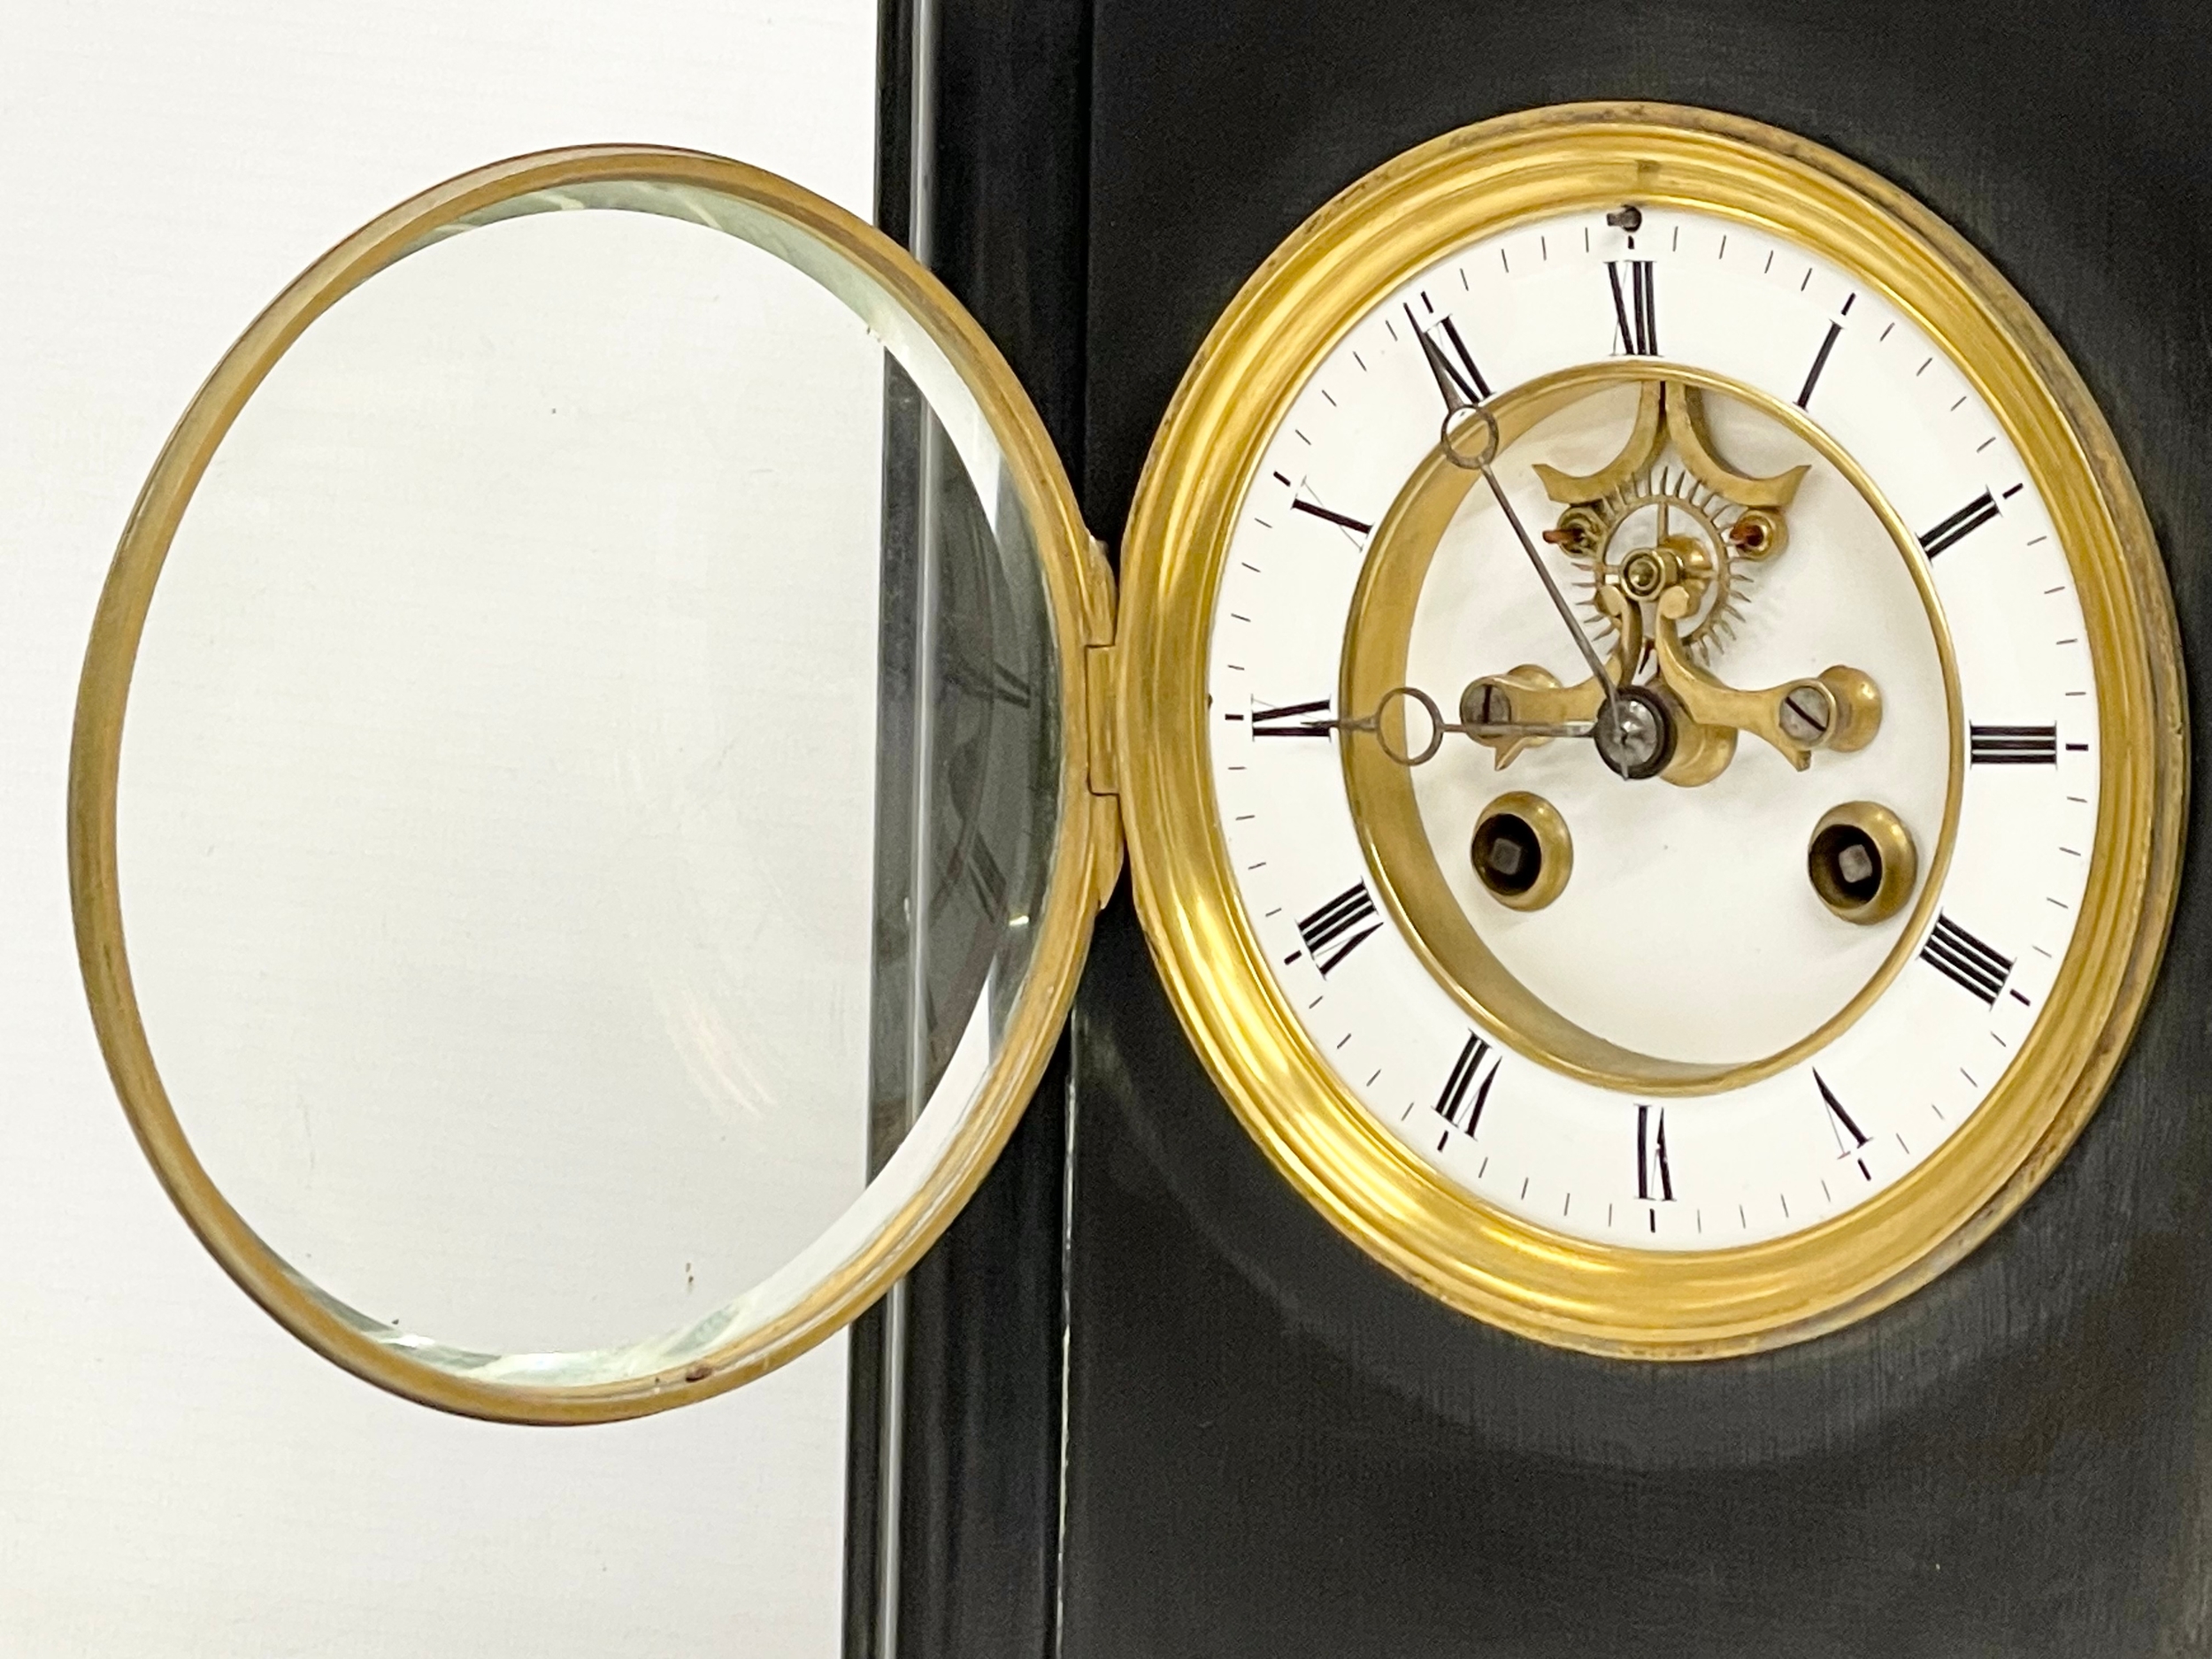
column 1350, row 910
column 1965, row 961
column 1654, row 1179
column 1958, row 526
column 2013, row 745
column 1635, row 307
column 1455, row 1106
column 1293, row 719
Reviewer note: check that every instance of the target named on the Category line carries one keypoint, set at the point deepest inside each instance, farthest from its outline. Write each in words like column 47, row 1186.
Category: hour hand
column 1532, row 697
column 1410, row 727
column 1509, row 712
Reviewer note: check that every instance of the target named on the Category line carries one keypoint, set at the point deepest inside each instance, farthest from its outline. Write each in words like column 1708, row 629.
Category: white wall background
column 177, row 1476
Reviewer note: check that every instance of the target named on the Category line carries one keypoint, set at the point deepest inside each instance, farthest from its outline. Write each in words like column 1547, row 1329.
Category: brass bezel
column 834, row 247
column 1376, row 1190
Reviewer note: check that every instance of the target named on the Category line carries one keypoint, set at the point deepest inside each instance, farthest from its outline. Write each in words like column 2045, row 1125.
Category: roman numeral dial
column 1293, row 719
column 1449, row 360
column 1748, row 1009
column 1330, row 515
column 1820, row 362
column 1654, row 1172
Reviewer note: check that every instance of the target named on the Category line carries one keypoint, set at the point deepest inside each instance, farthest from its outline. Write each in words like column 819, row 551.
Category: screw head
column 1808, row 714
column 1643, row 573
column 1635, row 733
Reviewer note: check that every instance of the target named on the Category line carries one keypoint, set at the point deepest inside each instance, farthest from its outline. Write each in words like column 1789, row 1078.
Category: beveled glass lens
column 588, row 776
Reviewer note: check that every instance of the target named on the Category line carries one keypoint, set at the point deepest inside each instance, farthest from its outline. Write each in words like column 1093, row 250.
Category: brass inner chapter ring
column 1399, row 852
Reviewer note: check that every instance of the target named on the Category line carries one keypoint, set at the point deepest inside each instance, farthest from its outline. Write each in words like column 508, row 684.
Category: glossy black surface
column 1275, row 1447
column 980, row 1493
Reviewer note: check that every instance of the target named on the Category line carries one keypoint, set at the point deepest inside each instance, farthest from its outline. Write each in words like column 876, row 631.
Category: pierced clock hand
column 1480, row 461
column 1456, row 403
column 1635, row 729
column 1407, row 753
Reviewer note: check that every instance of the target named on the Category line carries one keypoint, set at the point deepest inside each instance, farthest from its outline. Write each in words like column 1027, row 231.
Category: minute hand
column 1455, row 401
column 1536, row 560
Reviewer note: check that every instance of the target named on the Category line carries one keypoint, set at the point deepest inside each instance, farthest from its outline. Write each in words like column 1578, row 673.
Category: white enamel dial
column 1688, row 930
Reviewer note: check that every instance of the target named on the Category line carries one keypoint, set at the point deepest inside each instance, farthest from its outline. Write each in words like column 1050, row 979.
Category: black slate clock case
column 1258, row 1440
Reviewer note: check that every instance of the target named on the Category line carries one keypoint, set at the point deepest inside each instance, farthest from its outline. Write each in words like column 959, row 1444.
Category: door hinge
column 1101, row 728
column 1105, row 761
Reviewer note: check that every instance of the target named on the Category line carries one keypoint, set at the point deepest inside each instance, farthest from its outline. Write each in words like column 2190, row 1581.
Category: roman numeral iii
column 1351, row 912
column 1965, row 961
column 1455, row 1106
column 1635, row 306
column 2013, row 745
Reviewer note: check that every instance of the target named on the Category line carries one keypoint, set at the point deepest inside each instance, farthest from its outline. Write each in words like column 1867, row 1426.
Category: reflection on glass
column 586, row 660
column 968, row 725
